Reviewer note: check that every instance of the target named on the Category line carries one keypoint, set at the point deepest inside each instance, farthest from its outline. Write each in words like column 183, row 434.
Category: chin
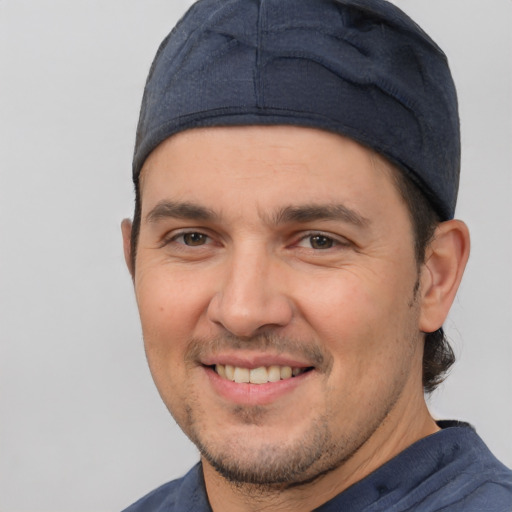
column 252, row 457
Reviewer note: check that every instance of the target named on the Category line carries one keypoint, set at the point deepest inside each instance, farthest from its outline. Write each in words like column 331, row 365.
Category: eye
column 318, row 242
column 192, row 239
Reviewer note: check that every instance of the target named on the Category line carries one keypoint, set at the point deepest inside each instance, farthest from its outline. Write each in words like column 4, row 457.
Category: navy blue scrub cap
column 359, row 68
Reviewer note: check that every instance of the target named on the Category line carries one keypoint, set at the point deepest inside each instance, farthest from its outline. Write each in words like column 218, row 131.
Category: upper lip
column 252, row 361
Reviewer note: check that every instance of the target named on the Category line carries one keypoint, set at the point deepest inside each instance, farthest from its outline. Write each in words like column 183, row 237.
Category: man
column 294, row 257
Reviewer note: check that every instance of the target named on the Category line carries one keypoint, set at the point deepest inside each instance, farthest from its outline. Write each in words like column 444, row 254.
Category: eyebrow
column 314, row 212
column 300, row 214
column 179, row 210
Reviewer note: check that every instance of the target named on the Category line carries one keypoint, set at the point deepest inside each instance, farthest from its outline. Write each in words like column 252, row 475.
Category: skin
column 287, row 245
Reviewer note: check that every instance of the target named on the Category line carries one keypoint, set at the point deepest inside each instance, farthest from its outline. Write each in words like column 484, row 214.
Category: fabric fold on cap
column 359, row 68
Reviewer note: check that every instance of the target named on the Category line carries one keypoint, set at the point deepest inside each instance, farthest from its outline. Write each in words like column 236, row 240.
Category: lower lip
column 255, row 394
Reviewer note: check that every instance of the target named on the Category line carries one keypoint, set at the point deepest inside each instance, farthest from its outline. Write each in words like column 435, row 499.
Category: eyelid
column 337, row 239
column 176, row 233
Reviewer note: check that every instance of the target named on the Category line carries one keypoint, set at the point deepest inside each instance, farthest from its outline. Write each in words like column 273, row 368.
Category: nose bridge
column 251, row 296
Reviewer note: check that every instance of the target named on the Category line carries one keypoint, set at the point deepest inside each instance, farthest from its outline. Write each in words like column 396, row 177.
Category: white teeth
column 274, row 373
column 260, row 375
column 286, row 372
column 221, row 370
column 241, row 375
column 230, row 372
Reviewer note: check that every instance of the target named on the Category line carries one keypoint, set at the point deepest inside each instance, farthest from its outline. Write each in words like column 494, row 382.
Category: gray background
column 81, row 425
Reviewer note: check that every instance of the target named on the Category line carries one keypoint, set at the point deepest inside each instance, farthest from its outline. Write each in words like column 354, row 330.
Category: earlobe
column 126, row 229
column 445, row 261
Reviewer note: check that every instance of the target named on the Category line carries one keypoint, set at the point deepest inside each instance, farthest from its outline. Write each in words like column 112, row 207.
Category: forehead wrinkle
column 314, row 212
column 180, row 210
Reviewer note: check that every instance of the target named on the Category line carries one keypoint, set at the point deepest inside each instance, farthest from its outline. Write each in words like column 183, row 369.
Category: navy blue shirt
column 451, row 470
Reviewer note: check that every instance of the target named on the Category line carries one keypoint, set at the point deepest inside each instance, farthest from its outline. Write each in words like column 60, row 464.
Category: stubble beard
column 269, row 467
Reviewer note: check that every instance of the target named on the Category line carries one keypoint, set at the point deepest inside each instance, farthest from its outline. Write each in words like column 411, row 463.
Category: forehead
column 265, row 161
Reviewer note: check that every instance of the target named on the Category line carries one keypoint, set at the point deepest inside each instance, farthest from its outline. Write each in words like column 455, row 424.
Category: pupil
column 321, row 242
column 194, row 238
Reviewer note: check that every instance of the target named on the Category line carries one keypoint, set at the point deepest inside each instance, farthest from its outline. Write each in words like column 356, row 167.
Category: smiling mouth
column 261, row 375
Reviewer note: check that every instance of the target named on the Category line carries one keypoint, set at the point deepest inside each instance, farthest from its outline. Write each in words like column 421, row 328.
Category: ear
column 126, row 229
column 445, row 261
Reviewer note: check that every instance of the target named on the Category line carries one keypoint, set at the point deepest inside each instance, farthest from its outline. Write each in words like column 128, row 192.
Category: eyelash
column 334, row 241
column 176, row 236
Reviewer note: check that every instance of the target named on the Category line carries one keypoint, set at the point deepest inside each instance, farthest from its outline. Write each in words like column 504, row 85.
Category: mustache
column 199, row 348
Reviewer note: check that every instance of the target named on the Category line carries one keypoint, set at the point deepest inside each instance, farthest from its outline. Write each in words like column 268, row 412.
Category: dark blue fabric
column 360, row 68
column 450, row 471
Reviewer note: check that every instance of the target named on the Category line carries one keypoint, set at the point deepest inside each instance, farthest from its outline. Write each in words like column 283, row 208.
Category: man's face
column 268, row 252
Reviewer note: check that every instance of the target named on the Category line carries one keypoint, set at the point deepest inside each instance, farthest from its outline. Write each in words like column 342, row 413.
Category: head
column 294, row 196
column 292, row 248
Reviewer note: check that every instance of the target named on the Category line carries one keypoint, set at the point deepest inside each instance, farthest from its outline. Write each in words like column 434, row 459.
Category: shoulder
column 162, row 498
column 184, row 494
column 449, row 471
column 467, row 476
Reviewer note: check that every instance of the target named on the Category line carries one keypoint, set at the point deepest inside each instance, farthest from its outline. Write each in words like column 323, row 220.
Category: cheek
column 345, row 303
column 168, row 300
column 170, row 308
column 366, row 320
column 370, row 336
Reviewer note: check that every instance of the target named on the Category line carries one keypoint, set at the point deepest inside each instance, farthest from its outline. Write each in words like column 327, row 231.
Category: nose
column 251, row 297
